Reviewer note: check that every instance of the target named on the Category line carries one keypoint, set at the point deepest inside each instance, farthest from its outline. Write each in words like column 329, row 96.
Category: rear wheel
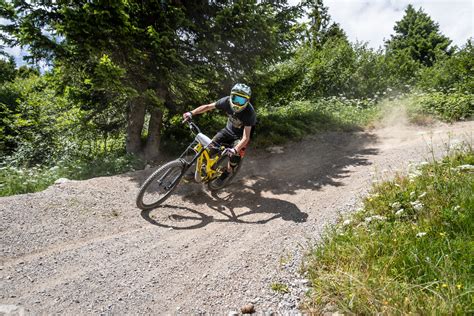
column 159, row 186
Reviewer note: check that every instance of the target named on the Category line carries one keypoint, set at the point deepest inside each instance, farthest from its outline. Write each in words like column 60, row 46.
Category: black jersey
column 237, row 121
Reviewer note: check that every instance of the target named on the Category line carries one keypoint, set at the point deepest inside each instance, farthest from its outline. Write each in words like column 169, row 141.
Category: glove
column 187, row 116
column 229, row 152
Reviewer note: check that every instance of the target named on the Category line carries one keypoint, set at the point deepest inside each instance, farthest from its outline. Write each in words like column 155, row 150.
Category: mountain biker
column 236, row 134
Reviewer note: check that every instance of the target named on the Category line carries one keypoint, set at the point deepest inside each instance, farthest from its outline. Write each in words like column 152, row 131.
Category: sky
column 14, row 51
column 372, row 21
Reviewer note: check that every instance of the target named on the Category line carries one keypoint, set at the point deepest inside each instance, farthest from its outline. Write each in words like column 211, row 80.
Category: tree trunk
column 136, row 118
column 154, row 134
column 106, row 136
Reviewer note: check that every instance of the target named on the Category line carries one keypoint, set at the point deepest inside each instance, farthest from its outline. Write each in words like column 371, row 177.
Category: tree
column 451, row 73
column 7, row 99
column 418, row 36
column 165, row 54
column 320, row 27
column 319, row 21
column 7, row 70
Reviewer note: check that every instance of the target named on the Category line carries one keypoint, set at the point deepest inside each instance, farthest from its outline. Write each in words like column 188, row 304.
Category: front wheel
column 159, row 186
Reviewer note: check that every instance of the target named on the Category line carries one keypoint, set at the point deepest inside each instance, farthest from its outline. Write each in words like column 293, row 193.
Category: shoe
column 221, row 180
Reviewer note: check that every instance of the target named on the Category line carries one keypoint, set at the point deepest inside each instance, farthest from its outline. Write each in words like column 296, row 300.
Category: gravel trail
column 82, row 247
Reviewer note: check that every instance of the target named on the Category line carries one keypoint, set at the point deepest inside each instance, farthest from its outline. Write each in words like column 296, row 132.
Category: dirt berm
column 82, row 247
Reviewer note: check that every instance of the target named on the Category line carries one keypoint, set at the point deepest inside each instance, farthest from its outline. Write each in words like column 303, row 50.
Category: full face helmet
column 240, row 97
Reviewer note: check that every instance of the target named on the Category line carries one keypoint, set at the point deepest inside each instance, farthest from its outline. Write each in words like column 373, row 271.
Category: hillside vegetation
column 119, row 76
column 408, row 250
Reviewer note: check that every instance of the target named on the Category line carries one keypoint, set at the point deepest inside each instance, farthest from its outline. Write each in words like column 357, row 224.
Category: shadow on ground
column 238, row 205
column 257, row 194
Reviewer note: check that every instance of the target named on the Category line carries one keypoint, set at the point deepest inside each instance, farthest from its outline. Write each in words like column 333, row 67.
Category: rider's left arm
column 245, row 139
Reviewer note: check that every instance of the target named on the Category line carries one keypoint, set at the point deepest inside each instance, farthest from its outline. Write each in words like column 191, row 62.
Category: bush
column 449, row 107
column 451, row 74
column 36, row 120
column 337, row 69
column 18, row 180
column 279, row 124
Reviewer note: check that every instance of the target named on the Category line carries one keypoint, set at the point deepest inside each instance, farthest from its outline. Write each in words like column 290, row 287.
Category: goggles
column 239, row 102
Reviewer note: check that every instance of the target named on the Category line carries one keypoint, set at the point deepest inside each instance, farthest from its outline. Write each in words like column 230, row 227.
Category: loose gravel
column 82, row 247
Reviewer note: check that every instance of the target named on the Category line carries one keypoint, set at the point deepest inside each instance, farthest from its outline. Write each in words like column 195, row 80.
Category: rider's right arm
column 203, row 108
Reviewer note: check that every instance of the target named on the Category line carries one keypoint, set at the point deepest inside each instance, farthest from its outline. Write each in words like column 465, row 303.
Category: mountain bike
column 209, row 161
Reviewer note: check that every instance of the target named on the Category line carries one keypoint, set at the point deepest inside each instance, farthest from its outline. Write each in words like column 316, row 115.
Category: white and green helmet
column 240, row 97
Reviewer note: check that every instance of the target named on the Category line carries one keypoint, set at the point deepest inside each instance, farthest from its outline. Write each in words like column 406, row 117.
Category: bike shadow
column 237, row 204
column 257, row 195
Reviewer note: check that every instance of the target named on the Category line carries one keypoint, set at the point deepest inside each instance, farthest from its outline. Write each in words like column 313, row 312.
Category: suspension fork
column 186, row 167
column 160, row 180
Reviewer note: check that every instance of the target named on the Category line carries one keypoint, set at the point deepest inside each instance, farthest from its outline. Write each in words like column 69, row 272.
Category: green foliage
column 454, row 73
column 33, row 121
column 416, row 45
column 27, row 71
column 299, row 118
column 401, row 70
column 7, row 70
column 103, row 98
column 8, row 95
column 111, row 55
column 417, row 35
column 45, row 127
column 330, row 70
column 449, row 107
column 18, row 180
column 408, row 251
column 338, row 68
column 280, row 287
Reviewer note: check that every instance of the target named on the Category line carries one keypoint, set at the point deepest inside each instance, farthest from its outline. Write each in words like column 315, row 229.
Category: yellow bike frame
column 205, row 159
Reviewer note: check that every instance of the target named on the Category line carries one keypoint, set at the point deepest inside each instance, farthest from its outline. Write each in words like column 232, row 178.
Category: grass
column 15, row 180
column 409, row 250
column 276, row 125
column 18, row 180
column 280, row 287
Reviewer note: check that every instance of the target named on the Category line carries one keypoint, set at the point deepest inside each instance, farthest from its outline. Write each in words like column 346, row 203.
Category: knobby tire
column 167, row 178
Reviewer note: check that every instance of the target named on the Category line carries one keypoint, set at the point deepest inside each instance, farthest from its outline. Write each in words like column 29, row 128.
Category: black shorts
column 224, row 138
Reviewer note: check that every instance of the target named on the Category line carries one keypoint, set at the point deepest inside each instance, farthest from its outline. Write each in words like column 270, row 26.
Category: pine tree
column 419, row 37
column 150, row 57
column 320, row 28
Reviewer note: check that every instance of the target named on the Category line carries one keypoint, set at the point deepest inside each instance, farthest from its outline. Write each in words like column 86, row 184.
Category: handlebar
column 196, row 130
column 192, row 126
